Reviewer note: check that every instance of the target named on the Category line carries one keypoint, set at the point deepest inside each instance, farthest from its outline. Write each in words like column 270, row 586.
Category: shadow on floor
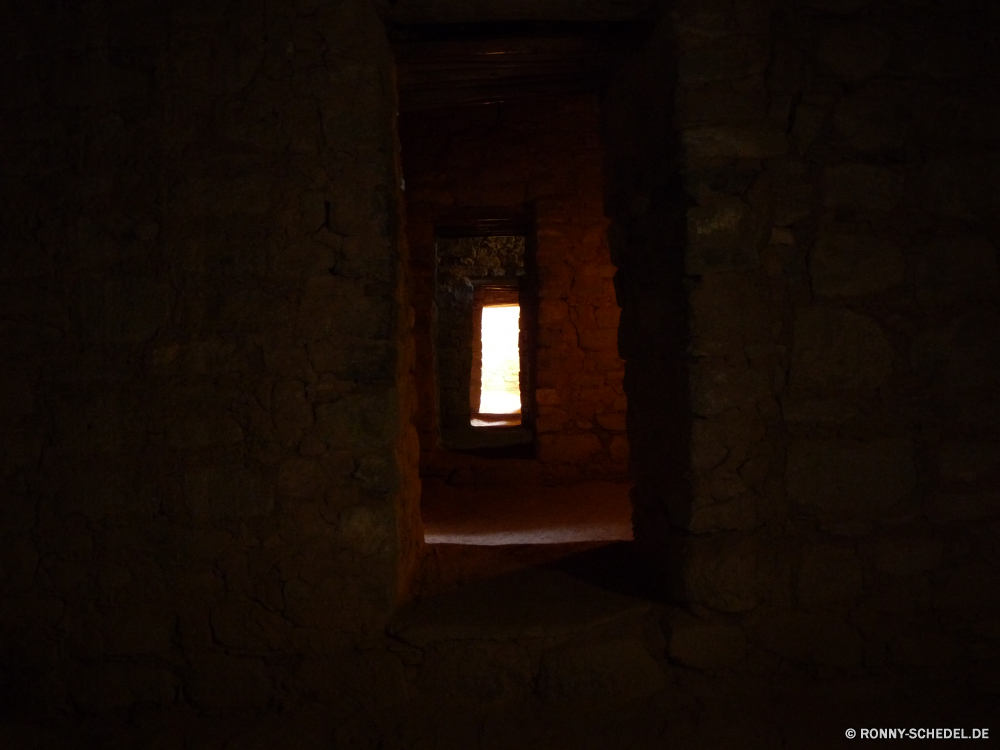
column 616, row 567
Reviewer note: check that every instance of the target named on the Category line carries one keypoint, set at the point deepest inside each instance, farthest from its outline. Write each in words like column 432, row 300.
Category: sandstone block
column 106, row 686
column 723, row 437
column 552, row 311
column 730, row 101
column 971, row 506
column 848, row 479
column 220, row 682
column 793, row 190
column 226, row 492
column 481, row 672
column 968, row 588
column 291, row 413
column 839, row 349
column 377, row 474
column 961, row 187
column 958, row 269
column 908, row 555
column 600, row 338
column 863, row 186
column 100, row 492
column 719, row 571
column 836, row 6
column 829, row 575
column 365, row 422
column 970, row 462
column 703, row 644
column 855, row 53
column 614, row 421
column 725, row 234
column 300, row 479
column 337, row 305
column 18, row 564
column 569, row 449
column 967, row 350
column 369, row 530
column 712, row 144
column 618, row 450
column 366, row 254
column 728, row 312
column 927, row 649
column 716, row 388
column 204, row 432
column 718, row 58
column 736, row 510
column 818, row 411
column 848, row 264
column 547, row 397
column 616, row 670
column 809, row 119
column 126, row 310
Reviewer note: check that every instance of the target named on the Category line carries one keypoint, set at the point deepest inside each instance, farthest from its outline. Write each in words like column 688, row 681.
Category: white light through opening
column 501, row 389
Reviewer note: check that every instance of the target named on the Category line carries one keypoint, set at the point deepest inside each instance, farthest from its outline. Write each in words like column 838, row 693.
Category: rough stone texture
column 458, row 261
column 704, row 645
column 829, row 575
column 834, row 360
column 809, row 638
column 854, row 52
column 203, row 313
column 207, row 508
column 954, row 270
column 847, row 479
column 848, row 264
column 839, row 349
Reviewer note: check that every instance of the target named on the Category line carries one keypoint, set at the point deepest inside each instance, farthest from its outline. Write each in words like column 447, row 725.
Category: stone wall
column 208, row 476
column 207, row 459
column 546, row 154
column 833, row 503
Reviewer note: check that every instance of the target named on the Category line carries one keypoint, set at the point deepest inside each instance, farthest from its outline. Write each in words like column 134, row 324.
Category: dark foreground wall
column 206, row 448
column 805, row 202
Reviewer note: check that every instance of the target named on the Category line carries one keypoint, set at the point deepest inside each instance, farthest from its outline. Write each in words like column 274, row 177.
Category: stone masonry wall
column 840, row 177
column 546, row 153
column 207, row 458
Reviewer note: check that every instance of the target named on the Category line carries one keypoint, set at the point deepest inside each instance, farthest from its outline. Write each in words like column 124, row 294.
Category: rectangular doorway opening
column 495, row 382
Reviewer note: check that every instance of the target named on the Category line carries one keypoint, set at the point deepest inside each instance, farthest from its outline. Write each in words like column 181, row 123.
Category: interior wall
column 832, row 503
column 546, row 153
column 209, row 477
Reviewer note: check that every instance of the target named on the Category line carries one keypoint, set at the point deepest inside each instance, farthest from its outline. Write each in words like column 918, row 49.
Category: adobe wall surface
column 837, row 366
column 206, row 449
column 458, row 341
column 547, row 154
